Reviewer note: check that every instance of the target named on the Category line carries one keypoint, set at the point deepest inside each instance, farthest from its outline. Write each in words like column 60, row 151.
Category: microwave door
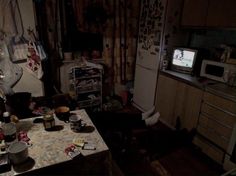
column 213, row 70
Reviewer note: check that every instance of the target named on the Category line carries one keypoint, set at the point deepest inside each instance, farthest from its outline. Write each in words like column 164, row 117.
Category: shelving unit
column 85, row 83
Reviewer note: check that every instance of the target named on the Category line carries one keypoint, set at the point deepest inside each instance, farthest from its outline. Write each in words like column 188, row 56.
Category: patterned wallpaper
column 151, row 24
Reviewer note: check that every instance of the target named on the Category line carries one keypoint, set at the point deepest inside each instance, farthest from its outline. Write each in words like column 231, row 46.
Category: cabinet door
column 165, row 99
column 177, row 99
column 194, row 12
column 221, row 13
column 187, row 105
column 192, row 106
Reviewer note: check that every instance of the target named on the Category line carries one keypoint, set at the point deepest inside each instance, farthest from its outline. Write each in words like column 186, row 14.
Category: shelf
column 90, row 102
column 87, row 91
column 88, row 77
column 87, row 82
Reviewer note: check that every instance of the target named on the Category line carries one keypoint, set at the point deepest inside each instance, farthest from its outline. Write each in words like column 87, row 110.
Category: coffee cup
column 62, row 113
column 75, row 123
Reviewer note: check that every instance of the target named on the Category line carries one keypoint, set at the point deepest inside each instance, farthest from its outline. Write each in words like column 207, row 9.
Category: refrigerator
column 151, row 25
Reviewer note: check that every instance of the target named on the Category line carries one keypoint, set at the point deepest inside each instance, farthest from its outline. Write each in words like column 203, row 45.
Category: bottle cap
column 6, row 114
column 6, row 117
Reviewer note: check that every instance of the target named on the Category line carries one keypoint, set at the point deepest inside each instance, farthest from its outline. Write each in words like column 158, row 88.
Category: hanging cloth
column 10, row 18
column 33, row 64
column 18, row 45
column 18, row 50
column 10, row 72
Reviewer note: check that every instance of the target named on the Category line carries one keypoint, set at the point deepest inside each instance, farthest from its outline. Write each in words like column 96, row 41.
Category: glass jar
column 48, row 122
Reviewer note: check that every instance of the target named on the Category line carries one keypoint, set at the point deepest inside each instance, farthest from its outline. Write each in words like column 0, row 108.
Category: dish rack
column 86, row 86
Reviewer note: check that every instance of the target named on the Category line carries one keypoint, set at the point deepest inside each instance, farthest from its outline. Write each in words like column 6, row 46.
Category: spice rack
column 86, row 84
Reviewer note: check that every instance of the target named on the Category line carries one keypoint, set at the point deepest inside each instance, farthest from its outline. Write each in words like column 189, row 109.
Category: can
column 9, row 131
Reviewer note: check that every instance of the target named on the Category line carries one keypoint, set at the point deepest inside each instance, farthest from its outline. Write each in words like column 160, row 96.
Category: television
column 183, row 60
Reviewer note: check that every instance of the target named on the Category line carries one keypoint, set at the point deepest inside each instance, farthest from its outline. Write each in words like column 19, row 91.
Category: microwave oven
column 218, row 71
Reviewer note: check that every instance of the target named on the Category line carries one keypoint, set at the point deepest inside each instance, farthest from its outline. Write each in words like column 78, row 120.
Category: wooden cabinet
column 165, row 99
column 210, row 149
column 216, row 123
column 209, row 13
column 221, row 13
column 194, row 13
column 176, row 99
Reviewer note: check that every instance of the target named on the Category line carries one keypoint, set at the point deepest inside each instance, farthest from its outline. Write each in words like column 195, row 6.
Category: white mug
column 75, row 123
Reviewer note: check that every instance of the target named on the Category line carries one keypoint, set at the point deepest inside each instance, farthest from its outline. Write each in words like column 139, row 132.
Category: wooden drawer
column 221, row 103
column 218, row 140
column 215, row 126
column 212, row 151
column 220, row 116
column 215, row 132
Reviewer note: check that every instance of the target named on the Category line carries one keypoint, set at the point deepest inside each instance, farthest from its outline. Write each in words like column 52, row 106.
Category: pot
column 18, row 152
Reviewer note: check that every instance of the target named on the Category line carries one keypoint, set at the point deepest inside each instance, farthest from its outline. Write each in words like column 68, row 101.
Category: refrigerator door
column 144, row 87
column 146, row 59
column 151, row 25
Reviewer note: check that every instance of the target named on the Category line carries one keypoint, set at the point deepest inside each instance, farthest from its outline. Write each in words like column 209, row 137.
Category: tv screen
column 183, row 59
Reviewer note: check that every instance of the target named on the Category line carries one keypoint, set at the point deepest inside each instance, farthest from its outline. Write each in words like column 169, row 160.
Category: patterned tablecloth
column 48, row 147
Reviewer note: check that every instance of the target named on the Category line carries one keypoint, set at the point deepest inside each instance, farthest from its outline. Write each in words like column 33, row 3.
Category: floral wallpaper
column 151, row 24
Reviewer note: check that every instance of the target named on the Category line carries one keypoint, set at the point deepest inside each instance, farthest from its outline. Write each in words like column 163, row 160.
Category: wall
column 174, row 35
column 213, row 38
column 28, row 83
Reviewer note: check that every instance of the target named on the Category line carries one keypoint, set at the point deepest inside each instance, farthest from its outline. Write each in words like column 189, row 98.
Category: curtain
column 49, row 32
column 120, row 40
column 117, row 20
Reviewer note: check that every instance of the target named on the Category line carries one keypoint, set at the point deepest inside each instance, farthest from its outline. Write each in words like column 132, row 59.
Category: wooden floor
column 176, row 158
column 159, row 151
column 188, row 161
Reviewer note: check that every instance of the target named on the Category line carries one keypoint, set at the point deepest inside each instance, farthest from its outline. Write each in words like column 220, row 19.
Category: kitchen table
column 47, row 155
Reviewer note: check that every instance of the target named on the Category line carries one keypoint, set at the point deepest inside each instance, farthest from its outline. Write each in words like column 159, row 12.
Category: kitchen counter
column 48, row 147
column 188, row 79
column 205, row 84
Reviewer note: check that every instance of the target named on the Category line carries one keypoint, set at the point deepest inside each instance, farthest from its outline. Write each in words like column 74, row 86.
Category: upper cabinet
column 221, row 13
column 209, row 13
column 194, row 13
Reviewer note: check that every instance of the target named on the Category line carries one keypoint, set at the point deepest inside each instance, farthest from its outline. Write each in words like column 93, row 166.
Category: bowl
column 63, row 113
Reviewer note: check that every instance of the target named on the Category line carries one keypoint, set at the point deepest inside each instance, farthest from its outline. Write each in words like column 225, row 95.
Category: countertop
column 205, row 84
column 48, row 147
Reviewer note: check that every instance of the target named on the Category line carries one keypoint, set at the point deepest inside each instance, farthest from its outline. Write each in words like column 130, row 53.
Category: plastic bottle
column 6, row 117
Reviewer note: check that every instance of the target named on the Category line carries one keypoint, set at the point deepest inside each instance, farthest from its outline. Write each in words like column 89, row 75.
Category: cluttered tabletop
column 56, row 142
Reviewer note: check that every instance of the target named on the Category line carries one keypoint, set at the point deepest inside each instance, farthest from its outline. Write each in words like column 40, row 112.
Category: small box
column 89, row 146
